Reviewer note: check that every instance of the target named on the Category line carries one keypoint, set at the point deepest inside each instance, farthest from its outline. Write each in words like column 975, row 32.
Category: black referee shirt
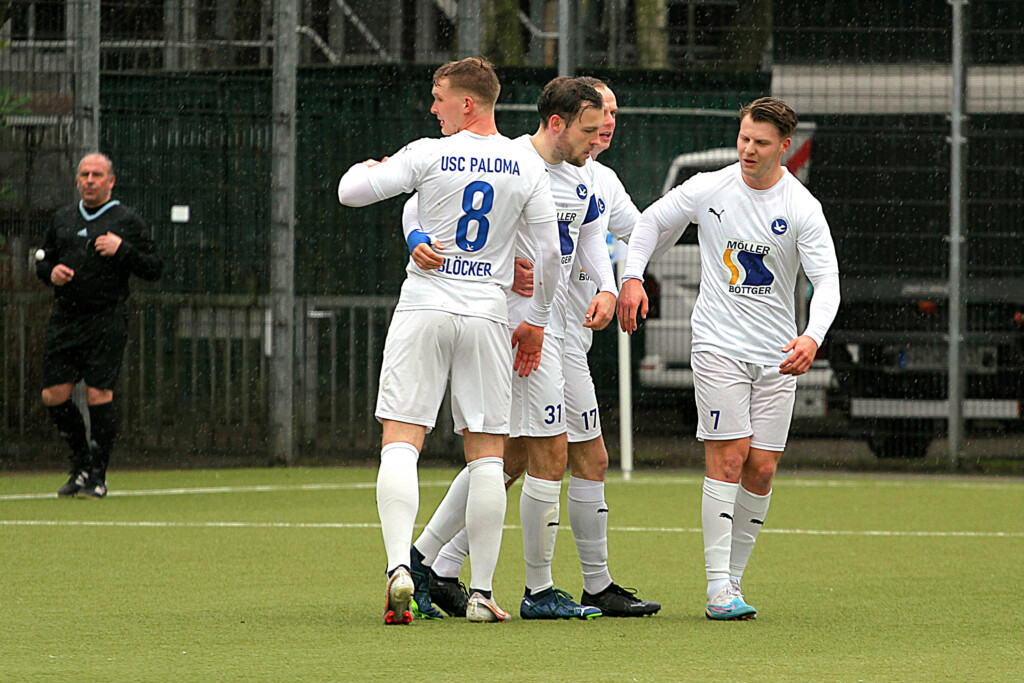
column 99, row 281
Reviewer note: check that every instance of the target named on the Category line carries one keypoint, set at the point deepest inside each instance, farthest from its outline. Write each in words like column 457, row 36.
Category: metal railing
column 195, row 376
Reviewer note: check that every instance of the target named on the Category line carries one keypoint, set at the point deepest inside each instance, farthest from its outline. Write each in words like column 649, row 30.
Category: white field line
column 639, row 481
column 509, row 527
column 203, row 490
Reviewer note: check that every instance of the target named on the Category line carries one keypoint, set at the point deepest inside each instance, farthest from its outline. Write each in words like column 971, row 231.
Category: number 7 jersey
column 476, row 194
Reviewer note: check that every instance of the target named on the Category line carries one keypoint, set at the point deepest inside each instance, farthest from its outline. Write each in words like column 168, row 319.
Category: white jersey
column 752, row 243
column 618, row 215
column 474, row 192
column 576, row 209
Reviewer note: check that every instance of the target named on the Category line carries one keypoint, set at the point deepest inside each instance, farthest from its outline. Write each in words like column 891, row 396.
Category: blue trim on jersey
column 94, row 216
column 593, row 212
column 417, row 237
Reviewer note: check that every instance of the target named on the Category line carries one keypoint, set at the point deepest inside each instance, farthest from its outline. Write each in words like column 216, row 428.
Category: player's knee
column 514, row 468
column 731, row 464
column 94, row 396
column 55, row 395
column 759, row 476
column 589, row 463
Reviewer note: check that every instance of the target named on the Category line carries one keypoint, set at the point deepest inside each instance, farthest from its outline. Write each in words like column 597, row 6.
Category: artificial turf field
column 277, row 574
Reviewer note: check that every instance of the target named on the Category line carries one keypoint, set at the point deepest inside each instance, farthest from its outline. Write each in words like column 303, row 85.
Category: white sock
column 485, row 517
column 538, row 513
column 588, row 515
column 447, row 520
column 398, row 499
column 751, row 509
column 448, row 563
column 716, row 512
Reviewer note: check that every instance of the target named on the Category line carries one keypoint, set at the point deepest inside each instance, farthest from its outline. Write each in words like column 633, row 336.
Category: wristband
column 417, row 237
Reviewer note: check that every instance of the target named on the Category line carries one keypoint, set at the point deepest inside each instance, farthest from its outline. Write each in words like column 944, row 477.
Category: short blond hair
column 774, row 111
column 475, row 75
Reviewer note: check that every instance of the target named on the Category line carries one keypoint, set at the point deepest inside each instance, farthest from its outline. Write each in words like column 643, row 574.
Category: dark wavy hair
column 567, row 98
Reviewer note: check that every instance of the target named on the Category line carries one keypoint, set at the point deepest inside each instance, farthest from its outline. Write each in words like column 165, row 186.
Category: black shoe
column 449, row 594
column 95, row 487
column 75, row 482
column 616, row 601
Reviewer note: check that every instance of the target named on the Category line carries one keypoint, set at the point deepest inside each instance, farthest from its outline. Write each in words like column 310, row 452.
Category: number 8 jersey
column 476, row 194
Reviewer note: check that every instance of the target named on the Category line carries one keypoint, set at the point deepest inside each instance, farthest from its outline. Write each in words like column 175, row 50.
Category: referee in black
column 90, row 251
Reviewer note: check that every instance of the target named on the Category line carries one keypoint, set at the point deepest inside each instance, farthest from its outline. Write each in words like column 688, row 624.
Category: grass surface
column 277, row 574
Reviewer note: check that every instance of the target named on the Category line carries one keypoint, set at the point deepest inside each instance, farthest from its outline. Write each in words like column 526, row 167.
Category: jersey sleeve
column 138, row 252
column 593, row 253
column 663, row 222
column 411, row 216
column 824, row 305
column 540, row 207
column 400, row 173
column 814, row 241
column 539, row 239
column 622, row 212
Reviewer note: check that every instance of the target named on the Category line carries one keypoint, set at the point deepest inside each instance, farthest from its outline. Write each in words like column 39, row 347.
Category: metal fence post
column 469, row 28
column 88, row 76
column 955, row 392
column 565, row 38
column 282, row 243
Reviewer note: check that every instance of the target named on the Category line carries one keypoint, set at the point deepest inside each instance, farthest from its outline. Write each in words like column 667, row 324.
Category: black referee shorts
column 85, row 346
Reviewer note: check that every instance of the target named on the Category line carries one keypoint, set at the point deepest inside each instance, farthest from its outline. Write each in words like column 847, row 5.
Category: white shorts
column 424, row 348
column 583, row 421
column 538, row 401
column 736, row 400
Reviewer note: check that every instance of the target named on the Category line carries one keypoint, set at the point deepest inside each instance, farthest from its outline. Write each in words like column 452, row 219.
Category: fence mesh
column 185, row 113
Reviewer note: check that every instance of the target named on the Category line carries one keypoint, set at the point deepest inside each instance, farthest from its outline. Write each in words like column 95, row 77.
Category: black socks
column 71, row 426
column 104, row 430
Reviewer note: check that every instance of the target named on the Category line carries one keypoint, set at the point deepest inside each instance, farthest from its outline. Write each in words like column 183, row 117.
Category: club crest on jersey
column 748, row 273
column 600, row 205
column 779, row 226
column 581, row 191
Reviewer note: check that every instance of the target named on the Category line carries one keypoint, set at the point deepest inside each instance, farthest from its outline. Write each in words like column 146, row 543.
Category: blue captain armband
column 417, row 237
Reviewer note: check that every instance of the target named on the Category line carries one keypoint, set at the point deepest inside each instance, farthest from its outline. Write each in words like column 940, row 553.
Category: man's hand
column 522, row 282
column 527, row 340
column 374, row 162
column 600, row 312
column 632, row 297
column 61, row 275
column 804, row 349
column 107, row 245
column 426, row 257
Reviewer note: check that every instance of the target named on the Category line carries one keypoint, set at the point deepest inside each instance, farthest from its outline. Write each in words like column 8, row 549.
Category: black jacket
column 99, row 281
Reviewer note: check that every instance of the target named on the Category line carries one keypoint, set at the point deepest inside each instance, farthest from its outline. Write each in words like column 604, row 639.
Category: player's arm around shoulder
column 370, row 181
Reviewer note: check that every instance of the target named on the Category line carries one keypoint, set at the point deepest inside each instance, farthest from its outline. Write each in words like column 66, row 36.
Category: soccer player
column 478, row 194
column 757, row 224
column 90, row 252
column 571, row 114
column 587, row 455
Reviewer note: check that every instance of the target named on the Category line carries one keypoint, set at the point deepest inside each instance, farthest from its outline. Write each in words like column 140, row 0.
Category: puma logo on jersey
column 718, row 214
